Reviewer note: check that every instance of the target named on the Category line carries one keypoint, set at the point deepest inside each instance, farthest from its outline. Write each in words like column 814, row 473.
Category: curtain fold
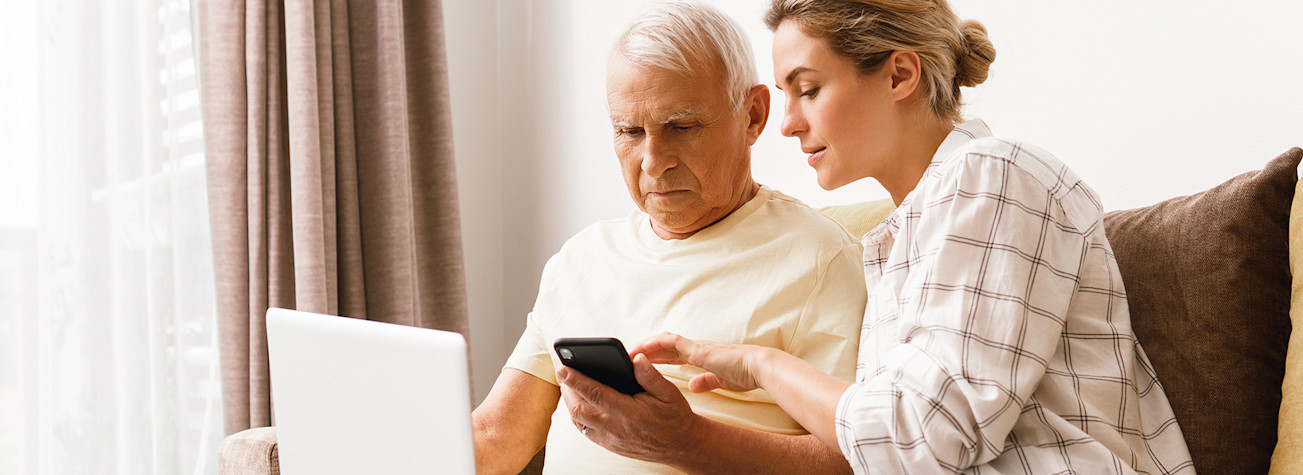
column 332, row 186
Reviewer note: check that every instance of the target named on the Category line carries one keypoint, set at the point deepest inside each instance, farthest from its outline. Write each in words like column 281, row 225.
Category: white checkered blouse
column 997, row 337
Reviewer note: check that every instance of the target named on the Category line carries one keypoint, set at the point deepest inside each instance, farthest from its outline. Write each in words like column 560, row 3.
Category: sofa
column 1209, row 282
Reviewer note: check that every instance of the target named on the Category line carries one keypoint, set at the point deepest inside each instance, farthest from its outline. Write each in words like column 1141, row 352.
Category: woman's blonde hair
column 952, row 53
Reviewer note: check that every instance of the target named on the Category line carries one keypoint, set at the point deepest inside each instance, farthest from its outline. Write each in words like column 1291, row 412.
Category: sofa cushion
column 1288, row 457
column 860, row 218
column 1207, row 281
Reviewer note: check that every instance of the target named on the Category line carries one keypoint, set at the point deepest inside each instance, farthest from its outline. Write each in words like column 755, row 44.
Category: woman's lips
column 814, row 157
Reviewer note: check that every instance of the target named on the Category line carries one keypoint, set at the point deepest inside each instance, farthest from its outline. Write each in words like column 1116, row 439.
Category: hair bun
column 974, row 60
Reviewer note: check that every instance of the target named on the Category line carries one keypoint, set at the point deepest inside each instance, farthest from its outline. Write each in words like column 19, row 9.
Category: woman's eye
column 810, row 93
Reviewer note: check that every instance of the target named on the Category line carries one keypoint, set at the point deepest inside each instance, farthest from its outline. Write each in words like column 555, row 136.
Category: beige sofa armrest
column 249, row 452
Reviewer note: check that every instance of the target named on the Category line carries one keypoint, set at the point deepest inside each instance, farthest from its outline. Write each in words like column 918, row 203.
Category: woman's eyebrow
column 792, row 75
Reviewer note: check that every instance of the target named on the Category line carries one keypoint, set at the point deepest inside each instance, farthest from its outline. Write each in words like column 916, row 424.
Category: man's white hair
column 672, row 34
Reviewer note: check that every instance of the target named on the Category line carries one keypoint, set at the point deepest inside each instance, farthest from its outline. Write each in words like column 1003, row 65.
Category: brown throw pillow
column 1207, row 279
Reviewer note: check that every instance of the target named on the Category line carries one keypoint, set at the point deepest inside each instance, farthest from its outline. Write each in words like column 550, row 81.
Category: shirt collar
column 960, row 136
column 954, row 142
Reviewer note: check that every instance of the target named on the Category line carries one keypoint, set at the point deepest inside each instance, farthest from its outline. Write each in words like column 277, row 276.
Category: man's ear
column 757, row 107
column 905, row 70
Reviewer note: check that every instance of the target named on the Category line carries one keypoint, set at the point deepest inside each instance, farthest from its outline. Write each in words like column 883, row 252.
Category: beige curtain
column 330, row 173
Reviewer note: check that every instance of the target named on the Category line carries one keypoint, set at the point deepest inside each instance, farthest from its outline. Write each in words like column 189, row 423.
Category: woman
column 997, row 336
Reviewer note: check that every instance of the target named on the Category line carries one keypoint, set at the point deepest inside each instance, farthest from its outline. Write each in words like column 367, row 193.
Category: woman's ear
column 906, row 71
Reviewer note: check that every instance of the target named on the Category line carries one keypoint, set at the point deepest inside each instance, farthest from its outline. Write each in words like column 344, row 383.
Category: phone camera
column 566, row 354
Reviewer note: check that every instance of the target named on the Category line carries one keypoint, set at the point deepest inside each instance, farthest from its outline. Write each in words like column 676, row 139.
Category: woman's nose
column 793, row 121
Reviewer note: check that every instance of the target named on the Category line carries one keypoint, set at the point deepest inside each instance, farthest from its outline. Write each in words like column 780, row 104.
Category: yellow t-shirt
column 774, row 273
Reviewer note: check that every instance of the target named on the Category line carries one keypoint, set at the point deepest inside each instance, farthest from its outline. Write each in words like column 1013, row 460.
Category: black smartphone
column 603, row 359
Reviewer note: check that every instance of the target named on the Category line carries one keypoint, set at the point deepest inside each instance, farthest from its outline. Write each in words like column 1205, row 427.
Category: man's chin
column 671, row 207
column 676, row 223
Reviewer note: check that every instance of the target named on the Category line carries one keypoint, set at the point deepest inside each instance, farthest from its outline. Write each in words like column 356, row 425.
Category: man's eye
column 810, row 93
column 683, row 128
column 629, row 131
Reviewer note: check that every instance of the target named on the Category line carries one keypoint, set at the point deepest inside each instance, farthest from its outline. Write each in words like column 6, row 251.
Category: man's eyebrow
column 680, row 115
column 792, row 75
column 686, row 113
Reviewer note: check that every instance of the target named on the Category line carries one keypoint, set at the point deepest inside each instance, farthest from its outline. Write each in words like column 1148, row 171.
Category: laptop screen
column 356, row 396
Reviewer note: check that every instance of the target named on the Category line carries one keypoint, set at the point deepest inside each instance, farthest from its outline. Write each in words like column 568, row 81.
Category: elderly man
column 711, row 254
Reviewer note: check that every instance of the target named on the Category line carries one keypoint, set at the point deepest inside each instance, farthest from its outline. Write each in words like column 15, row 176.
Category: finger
column 652, row 381
column 590, row 390
column 582, row 412
column 690, row 351
column 659, row 348
column 575, row 406
column 705, row 382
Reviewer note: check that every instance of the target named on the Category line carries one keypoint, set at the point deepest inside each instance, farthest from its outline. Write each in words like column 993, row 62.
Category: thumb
column 651, row 380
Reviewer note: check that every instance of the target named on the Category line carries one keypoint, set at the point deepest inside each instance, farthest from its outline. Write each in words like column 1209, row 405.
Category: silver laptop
column 354, row 396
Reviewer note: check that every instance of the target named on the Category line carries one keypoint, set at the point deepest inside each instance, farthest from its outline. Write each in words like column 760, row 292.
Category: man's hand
column 728, row 366
column 656, row 425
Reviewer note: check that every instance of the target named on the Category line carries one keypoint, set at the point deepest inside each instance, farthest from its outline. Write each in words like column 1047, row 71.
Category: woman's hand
column 804, row 392
column 731, row 367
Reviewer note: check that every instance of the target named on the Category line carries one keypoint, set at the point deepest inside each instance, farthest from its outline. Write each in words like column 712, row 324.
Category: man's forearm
column 715, row 447
column 496, row 452
column 512, row 423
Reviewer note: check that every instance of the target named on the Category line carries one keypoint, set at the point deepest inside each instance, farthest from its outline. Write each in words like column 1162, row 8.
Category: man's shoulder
column 789, row 216
column 606, row 231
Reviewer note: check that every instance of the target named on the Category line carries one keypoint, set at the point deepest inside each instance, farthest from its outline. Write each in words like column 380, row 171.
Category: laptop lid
column 356, row 396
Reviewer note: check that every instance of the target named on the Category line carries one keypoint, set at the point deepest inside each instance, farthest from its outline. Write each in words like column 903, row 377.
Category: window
column 108, row 355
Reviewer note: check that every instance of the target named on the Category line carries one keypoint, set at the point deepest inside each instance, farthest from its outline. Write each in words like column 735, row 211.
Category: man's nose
column 657, row 157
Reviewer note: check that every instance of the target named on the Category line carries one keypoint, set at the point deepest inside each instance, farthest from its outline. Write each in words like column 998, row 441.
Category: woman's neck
column 920, row 143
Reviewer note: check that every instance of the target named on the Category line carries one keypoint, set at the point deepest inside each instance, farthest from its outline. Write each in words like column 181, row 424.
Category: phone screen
column 603, row 359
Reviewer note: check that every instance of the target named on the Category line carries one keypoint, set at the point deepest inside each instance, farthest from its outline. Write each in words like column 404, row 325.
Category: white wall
column 472, row 37
column 1145, row 100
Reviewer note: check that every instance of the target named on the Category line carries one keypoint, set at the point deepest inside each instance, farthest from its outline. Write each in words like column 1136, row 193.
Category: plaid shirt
column 997, row 337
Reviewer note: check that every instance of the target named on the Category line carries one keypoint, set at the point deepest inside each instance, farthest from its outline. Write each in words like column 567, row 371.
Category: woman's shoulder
column 987, row 153
column 999, row 165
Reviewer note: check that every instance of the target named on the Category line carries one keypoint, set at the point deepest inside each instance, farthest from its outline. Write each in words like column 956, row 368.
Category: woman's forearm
column 807, row 394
